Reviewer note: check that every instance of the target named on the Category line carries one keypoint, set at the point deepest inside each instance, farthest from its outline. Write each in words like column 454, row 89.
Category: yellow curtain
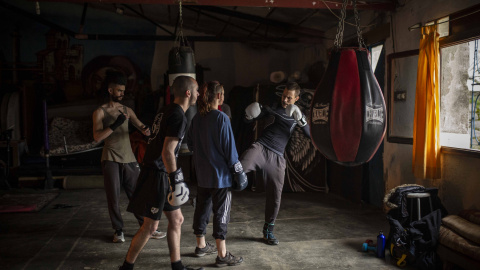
column 426, row 125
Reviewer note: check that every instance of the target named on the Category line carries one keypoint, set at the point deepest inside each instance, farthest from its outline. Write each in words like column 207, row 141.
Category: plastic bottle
column 381, row 245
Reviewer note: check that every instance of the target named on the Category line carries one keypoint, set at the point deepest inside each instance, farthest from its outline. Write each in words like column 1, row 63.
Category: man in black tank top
column 119, row 165
column 267, row 152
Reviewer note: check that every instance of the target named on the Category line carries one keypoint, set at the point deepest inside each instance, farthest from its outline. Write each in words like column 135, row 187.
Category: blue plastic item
column 367, row 248
column 381, row 245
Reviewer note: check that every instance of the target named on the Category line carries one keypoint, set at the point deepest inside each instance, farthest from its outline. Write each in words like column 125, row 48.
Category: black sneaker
column 188, row 268
column 229, row 260
column 270, row 238
column 268, row 234
column 208, row 249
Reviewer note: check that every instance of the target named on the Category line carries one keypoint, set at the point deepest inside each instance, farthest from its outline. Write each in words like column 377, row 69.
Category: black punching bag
column 348, row 113
column 181, row 61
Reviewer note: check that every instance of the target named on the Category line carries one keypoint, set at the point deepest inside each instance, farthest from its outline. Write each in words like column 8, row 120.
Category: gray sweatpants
column 257, row 157
column 115, row 176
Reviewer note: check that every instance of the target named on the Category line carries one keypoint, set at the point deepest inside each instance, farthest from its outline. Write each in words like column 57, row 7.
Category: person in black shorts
column 267, row 152
column 160, row 186
column 211, row 140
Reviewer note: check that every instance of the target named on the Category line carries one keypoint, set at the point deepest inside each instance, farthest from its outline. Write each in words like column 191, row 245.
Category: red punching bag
column 348, row 113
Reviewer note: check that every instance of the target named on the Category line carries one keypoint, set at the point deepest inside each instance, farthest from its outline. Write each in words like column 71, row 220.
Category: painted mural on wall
column 60, row 61
column 61, row 65
column 65, row 78
column 94, row 74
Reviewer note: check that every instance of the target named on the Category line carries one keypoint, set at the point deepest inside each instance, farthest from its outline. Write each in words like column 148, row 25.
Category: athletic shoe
column 189, row 268
column 158, row 235
column 208, row 249
column 118, row 238
column 268, row 234
column 229, row 260
column 269, row 238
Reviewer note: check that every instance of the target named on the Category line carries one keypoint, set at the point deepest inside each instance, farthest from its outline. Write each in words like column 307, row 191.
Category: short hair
column 181, row 84
column 113, row 77
column 293, row 86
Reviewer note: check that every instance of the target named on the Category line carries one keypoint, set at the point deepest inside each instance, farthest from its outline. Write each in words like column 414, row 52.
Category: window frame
column 464, row 27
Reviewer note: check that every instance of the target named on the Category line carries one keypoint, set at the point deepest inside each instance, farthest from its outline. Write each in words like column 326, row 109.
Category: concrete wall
column 238, row 64
column 460, row 182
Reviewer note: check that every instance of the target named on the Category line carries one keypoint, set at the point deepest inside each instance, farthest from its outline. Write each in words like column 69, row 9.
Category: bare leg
column 141, row 238
column 222, row 248
column 174, row 231
column 201, row 242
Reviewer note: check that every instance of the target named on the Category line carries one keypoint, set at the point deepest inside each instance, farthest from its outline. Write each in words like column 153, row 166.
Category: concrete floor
column 315, row 230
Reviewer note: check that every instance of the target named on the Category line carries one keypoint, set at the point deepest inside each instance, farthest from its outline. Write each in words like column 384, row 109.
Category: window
column 459, row 74
column 375, row 51
column 459, row 91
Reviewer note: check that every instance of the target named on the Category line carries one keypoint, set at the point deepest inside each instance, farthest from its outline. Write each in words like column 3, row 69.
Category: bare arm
column 168, row 154
column 137, row 123
column 99, row 133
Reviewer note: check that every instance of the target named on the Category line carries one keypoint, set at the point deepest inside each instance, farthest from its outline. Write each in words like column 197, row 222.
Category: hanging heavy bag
column 348, row 113
column 181, row 61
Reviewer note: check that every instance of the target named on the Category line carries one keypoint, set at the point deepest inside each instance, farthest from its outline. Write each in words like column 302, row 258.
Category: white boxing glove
column 253, row 110
column 292, row 110
column 179, row 190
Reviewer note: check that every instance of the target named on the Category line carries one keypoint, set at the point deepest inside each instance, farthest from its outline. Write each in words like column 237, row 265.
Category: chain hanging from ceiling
column 180, row 39
column 341, row 26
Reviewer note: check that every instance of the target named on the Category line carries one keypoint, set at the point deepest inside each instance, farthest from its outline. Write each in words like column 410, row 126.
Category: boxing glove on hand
column 240, row 180
column 119, row 121
column 146, row 130
column 253, row 110
column 179, row 193
column 292, row 110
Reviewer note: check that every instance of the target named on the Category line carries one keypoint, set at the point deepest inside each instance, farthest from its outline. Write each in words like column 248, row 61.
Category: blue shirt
column 211, row 140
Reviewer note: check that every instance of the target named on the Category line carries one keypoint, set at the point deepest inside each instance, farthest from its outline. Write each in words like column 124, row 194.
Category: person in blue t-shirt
column 210, row 137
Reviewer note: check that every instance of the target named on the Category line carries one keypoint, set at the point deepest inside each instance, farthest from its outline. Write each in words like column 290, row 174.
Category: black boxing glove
column 118, row 122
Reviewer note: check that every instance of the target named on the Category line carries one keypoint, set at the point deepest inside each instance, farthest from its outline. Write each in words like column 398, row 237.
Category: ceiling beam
column 87, row 36
column 198, row 38
column 286, row 26
column 148, row 19
column 314, row 4
column 270, row 12
column 37, row 18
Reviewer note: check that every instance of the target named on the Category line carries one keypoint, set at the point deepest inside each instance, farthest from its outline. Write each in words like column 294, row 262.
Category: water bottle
column 381, row 245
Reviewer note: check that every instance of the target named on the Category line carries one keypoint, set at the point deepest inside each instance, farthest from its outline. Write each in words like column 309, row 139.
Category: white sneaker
column 158, row 235
column 118, row 238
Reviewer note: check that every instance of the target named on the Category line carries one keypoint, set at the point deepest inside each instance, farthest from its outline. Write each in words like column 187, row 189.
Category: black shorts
column 150, row 196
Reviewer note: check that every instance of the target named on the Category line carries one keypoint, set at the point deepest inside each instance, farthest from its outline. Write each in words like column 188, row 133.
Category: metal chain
column 179, row 39
column 339, row 37
column 361, row 43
